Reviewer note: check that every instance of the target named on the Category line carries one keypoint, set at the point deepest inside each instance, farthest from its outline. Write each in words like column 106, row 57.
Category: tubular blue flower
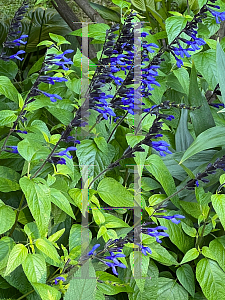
column 144, row 249
column 220, row 16
column 59, row 278
column 170, row 117
column 173, row 218
column 155, row 233
column 64, row 152
column 114, row 265
column 51, row 80
column 114, row 256
column 93, row 249
column 53, row 97
column 57, row 160
column 11, row 149
column 217, row 105
column 20, row 131
column 161, row 146
column 16, row 55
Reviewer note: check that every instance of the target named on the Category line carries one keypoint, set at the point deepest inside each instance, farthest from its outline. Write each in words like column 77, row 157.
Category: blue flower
column 173, row 218
column 170, row 117
column 144, row 249
column 155, row 233
column 64, row 152
column 217, row 105
column 114, row 256
column 161, row 146
column 93, row 249
column 51, row 80
column 16, row 55
column 220, row 16
column 21, row 131
column 53, row 97
column 59, row 278
column 12, row 149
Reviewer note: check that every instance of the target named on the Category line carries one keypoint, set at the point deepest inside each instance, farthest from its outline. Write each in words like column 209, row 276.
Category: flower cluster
column 210, row 169
column 13, row 32
column 134, row 236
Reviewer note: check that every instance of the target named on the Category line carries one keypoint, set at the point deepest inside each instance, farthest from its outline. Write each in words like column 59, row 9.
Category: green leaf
column 9, row 180
column 39, row 201
column 96, row 31
column 114, row 222
column 219, row 206
column 105, row 12
column 155, row 165
column 75, row 237
column 191, row 231
column 176, row 234
column 201, row 118
column 8, row 68
column 47, row 292
column 139, row 266
column 205, row 63
column 140, row 157
column 183, row 138
column 61, row 201
column 110, row 284
column 220, row 63
column 95, row 154
column 48, row 249
column 114, row 193
column 7, row 117
column 148, row 184
column 7, row 89
column 27, row 149
column 160, row 254
column 16, row 257
column 211, row 279
column 190, row 255
column 34, row 267
column 55, row 236
column 211, row 138
column 139, row 4
column 37, row 66
column 59, row 39
column 186, row 277
column 83, row 283
column 6, row 245
column 74, row 85
column 169, row 289
column 7, row 217
column 217, row 247
column 174, row 25
column 183, row 78
column 192, row 208
column 31, row 230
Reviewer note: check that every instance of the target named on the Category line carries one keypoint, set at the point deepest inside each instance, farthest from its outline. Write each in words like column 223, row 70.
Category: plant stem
column 114, row 129
column 22, row 297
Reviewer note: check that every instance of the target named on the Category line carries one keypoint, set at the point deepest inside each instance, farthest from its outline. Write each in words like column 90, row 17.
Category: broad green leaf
column 34, row 267
column 183, row 138
column 7, row 117
column 16, row 257
column 47, row 292
column 110, row 284
column 74, row 85
column 139, row 4
column 220, row 63
column 211, row 279
column 8, row 68
column 148, row 184
column 39, row 202
column 61, row 201
column 160, row 254
column 114, row 193
column 77, row 237
column 8, row 180
column 186, row 277
column 96, row 31
column 205, row 63
column 169, row 289
column 190, row 255
column 95, row 155
column 114, row 222
column 177, row 236
column 7, row 217
column 6, row 245
column 217, row 247
column 59, row 39
column 121, row 3
column 140, row 157
column 55, row 236
column 83, row 283
column 37, row 66
column 192, row 208
column 27, row 149
column 31, row 230
column 97, row 215
column 48, row 249
column 157, row 168
column 211, row 138
column 174, row 25
column 191, row 231
column 105, row 12
column 7, row 89
column 219, row 206
column 183, row 77
column 139, row 266
column 201, row 118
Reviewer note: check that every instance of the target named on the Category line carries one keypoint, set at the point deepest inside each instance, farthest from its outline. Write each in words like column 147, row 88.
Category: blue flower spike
column 57, row 279
column 173, row 218
column 93, row 249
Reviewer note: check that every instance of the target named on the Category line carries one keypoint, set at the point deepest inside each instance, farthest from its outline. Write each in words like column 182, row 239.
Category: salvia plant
column 141, row 137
